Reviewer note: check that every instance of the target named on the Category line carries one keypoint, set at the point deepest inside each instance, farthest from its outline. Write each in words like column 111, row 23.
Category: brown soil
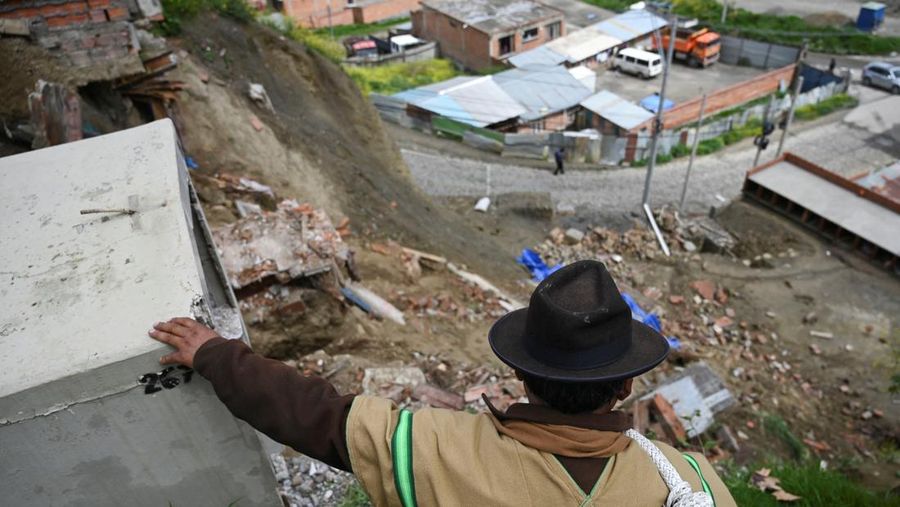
column 324, row 143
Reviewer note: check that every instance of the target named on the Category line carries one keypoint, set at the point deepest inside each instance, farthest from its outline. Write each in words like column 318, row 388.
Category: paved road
column 843, row 146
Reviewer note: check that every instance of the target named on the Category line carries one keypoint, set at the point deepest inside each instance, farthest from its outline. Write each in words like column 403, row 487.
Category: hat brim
column 507, row 336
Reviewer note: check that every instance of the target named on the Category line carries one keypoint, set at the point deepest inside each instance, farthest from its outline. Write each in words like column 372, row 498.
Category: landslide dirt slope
column 323, row 142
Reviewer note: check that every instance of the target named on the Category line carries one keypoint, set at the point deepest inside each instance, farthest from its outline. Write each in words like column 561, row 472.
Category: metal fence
column 762, row 55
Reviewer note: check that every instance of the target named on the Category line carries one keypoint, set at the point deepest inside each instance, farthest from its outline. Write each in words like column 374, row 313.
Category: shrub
column 680, row 150
column 359, row 29
column 177, row 11
column 827, row 106
column 393, row 78
column 710, row 145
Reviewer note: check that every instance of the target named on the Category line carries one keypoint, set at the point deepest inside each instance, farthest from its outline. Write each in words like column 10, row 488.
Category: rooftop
column 630, row 25
column 542, row 90
column 617, row 110
column 814, row 188
column 473, row 100
column 492, row 16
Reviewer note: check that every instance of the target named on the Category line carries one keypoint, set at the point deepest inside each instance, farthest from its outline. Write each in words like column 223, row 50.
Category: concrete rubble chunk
column 375, row 380
column 574, row 236
column 697, row 394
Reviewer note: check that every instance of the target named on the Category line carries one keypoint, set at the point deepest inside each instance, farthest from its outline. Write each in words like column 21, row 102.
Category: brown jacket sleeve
column 305, row 413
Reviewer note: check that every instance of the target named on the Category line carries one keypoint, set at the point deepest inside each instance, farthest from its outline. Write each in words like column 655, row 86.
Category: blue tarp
column 535, row 265
column 650, row 319
column 651, row 103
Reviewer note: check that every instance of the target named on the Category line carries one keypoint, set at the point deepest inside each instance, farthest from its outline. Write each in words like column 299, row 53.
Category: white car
column 638, row 62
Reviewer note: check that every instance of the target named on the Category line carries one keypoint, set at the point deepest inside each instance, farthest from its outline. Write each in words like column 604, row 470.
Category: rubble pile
column 273, row 259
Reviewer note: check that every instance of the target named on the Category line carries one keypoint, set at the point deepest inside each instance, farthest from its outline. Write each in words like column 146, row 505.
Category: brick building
column 481, row 33
column 323, row 13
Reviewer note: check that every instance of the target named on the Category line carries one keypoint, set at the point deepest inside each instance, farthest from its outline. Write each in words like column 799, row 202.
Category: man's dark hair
column 573, row 397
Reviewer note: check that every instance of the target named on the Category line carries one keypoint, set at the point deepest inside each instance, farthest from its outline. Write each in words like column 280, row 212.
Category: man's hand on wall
column 185, row 335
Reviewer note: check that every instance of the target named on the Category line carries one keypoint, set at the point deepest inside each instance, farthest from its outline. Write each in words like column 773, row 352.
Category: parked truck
column 698, row 47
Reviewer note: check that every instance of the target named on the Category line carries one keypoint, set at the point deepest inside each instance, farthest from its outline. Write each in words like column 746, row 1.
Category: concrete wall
column 762, row 55
column 377, row 11
column 98, row 422
column 314, row 13
column 726, row 98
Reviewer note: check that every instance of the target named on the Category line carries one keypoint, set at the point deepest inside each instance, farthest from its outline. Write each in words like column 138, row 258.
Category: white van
column 638, row 62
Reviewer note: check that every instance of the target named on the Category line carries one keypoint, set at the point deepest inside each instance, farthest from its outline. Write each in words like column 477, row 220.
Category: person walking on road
column 559, row 155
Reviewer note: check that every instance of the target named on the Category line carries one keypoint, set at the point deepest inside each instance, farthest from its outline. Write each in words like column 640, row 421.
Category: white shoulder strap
column 680, row 492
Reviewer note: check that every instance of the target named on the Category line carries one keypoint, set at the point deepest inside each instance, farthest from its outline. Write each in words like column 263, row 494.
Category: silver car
column 882, row 75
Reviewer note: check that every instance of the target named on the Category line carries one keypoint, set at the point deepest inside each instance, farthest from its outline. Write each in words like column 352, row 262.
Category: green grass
column 393, row 78
column 322, row 44
column 612, row 5
column 827, row 106
column 354, row 496
column 178, row 11
column 815, row 486
column 788, row 30
column 361, row 29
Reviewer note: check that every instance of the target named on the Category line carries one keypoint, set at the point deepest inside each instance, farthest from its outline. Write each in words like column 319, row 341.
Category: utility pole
column 687, row 175
column 330, row 25
column 762, row 141
column 798, row 85
column 657, row 122
column 724, row 10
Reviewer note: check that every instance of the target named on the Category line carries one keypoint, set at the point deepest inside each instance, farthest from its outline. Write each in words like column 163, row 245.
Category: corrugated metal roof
column 630, row 25
column 492, row 16
column 476, row 101
column 583, row 44
column 542, row 90
column 617, row 110
column 541, row 55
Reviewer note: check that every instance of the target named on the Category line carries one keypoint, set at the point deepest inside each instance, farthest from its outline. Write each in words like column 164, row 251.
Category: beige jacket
column 460, row 458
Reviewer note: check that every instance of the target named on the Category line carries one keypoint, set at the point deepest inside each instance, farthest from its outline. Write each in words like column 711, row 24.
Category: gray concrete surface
column 716, row 178
column 685, row 83
column 579, row 14
column 87, row 417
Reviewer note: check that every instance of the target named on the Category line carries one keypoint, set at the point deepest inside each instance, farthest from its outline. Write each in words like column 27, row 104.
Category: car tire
column 895, row 90
column 867, row 81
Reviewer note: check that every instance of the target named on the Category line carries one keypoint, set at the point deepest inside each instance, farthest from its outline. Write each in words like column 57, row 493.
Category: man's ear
column 625, row 392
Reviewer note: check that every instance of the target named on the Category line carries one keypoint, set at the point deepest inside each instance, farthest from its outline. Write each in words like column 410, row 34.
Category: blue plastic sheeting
column 651, row 103
column 650, row 319
column 638, row 313
column 535, row 265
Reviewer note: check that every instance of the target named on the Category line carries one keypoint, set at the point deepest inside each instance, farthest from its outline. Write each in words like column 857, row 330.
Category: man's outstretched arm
column 305, row 413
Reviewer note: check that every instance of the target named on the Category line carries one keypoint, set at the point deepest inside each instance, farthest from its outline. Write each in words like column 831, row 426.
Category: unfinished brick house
column 323, row 13
column 479, row 34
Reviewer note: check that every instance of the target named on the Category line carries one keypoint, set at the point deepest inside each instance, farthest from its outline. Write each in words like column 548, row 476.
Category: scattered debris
column 372, row 303
column 696, row 394
column 763, row 480
column 258, row 94
column 822, row 334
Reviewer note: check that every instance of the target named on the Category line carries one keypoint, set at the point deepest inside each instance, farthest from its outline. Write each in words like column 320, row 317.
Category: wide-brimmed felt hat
column 577, row 328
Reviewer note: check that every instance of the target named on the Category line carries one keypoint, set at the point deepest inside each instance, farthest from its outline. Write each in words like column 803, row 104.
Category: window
column 529, row 34
column 629, row 59
column 554, row 30
column 655, row 62
column 506, row 44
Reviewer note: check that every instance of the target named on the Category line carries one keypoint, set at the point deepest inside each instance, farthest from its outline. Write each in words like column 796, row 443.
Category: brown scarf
column 573, row 436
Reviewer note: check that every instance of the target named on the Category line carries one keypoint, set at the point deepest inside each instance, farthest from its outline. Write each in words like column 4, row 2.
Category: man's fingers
column 169, row 359
column 172, row 328
column 167, row 338
column 186, row 322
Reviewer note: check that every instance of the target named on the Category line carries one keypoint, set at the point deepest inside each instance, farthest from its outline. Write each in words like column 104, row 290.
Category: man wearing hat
column 576, row 348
